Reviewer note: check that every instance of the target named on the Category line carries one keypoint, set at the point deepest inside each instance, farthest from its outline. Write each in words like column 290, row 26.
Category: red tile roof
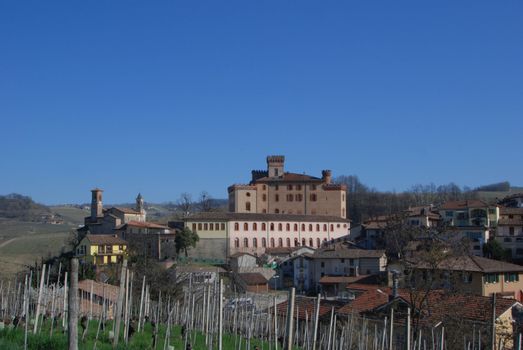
column 252, row 278
column 133, row 223
column 472, row 203
column 105, row 239
column 304, row 307
column 290, row 177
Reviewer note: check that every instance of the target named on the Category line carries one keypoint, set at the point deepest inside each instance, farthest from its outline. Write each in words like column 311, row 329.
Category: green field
column 11, row 339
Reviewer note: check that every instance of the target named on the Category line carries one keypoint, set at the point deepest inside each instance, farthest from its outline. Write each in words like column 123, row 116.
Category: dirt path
column 7, row 242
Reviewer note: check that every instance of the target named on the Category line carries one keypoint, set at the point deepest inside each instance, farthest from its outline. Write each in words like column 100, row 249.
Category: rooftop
column 228, row 216
column 105, row 239
column 472, row 263
column 464, row 204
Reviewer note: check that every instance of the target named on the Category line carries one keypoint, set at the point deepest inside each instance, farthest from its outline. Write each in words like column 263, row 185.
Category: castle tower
column 326, row 176
column 275, row 165
column 139, row 204
column 96, row 204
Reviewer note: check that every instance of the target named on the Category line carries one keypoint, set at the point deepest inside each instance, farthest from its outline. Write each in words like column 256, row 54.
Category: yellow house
column 101, row 249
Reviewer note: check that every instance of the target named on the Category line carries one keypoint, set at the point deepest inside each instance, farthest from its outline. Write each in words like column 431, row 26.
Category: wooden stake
column 316, row 320
column 73, row 306
column 39, row 302
column 290, row 319
column 119, row 303
column 141, row 305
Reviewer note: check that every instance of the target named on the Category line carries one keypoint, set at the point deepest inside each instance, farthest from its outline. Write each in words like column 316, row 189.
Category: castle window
column 264, row 227
column 318, row 242
column 314, row 197
column 311, row 242
column 338, row 225
column 254, row 226
column 324, row 227
column 276, row 172
column 299, row 197
column 264, row 211
column 332, row 227
column 255, row 243
column 290, row 198
column 280, row 242
column 246, row 242
column 295, row 227
column 272, row 243
column 264, row 197
column 264, row 187
column 276, row 187
column 200, row 226
column 288, row 241
column 205, row 226
column 236, row 243
column 288, row 227
column 246, row 227
column 248, row 194
column 280, row 227
column 289, row 187
column 248, row 206
column 303, row 227
column 264, row 242
column 223, row 226
column 298, row 187
column 276, row 211
column 317, row 227
column 277, row 198
column 310, row 227
column 303, row 242
column 211, row 226
column 272, row 227
column 194, row 226
column 236, row 226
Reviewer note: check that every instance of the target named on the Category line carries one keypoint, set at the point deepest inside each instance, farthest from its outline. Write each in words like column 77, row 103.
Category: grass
column 14, row 339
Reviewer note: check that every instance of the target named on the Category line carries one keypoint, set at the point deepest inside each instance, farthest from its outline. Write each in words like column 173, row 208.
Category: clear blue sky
column 165, row 97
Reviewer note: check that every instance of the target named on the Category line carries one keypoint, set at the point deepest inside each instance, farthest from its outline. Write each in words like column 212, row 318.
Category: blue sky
column 164, row 97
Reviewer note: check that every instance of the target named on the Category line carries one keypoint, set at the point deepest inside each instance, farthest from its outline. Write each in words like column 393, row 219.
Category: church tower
column 139, row 204
column 96, row 204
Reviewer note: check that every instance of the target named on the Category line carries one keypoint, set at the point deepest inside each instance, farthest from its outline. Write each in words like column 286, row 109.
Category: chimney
column 326, row 176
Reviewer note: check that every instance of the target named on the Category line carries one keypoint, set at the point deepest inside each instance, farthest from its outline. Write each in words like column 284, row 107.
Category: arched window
column 280, row 242
column 288, row 227
column 272, row 242
column 303, row 242
column 276, row 211
column 296, row 242
column 325, row 227
column 246, row 227
column 332, row 227
column 236, row 243
column 318, row 242
column 246, row 242
column 296, row 227
column 310, row 227
column 272, row 227
column 248, row 206
column 264, row 242
column 236, row 226
column 254, row 226
column 254, row 243
column 288, row 241
column 317, row 227
column 205, row 226
column 264, row 227
column 303, row 227
column 280, row 227
column 311, row 243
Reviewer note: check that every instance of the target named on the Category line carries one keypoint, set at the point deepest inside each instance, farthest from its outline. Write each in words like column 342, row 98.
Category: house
column 240, row 261
column 279, row 192
column 463, row 313
column 513, row 201
column 469, row 213
column 148, row 239
column 101, row 249
column 253, row 282
column 509, row 233
column 472, row 274
column 224, row 234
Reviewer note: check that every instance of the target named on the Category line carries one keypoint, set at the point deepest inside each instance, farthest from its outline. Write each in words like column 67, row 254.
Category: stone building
column 275, row 191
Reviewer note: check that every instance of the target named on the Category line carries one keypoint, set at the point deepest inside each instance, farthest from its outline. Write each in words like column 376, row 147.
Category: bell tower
column 139, row 204
column 96, row 204
column 275, row 166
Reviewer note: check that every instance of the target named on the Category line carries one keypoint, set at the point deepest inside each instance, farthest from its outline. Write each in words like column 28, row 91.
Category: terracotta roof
column 143, row 225
column 339, row 250
column 126, row 210
column 439, row 305
column 105, row 239
column 227, row 216
column 473, row 203
column 111, row 292
column 252, row 278
column 510, row 211
column 474, row 263
column 343, row 279
column 304, row 307
column 279, row 250
column 335, row 187
column 290, row 177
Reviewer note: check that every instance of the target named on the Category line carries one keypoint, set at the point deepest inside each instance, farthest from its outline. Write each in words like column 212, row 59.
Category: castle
column 274, row 191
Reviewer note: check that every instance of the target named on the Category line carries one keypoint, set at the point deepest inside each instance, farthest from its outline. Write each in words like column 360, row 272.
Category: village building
column 224, row 234
column 276, row 191
column 101, row 249
column 509, row 233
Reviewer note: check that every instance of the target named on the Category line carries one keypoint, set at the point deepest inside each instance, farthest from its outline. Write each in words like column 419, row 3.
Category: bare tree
column 185, row 204
column 205, row 203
